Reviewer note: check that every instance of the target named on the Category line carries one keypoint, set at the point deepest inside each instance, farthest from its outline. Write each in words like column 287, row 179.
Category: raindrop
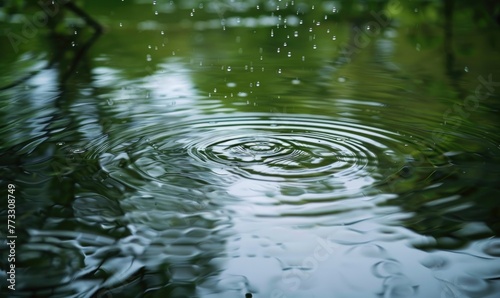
column 272, row 33
column 162, row 32
column 289, row 54
column 78, row 150
column 229, row 68
column 341, row 79
column 334, row 37
column 295, row 81
column 296, row 34
column 156, row 12
column 278, row 50
column 148, row 57
column 279, row 70
column 257, row 84
column 121, row 25
column 466, row 69
column 314, row 47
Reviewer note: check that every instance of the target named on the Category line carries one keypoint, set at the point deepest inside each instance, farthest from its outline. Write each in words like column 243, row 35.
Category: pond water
column 278, row 148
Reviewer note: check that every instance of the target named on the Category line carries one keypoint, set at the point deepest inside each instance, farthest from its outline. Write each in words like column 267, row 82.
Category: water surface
column 211, row 149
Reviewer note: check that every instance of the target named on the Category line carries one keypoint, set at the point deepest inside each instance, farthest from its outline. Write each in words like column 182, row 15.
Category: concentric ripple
column 286, row 148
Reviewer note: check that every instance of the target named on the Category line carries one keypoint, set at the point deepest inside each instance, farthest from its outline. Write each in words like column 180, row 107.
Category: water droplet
column 341, row 79
column 466, row 69
column 314, row 47
column 78, row 150
column 295, row 81
column 229, row 68
column 215, row 90
column 257, row 84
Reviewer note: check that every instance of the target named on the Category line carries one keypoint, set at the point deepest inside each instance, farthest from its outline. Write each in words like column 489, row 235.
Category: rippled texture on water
column 279, row 148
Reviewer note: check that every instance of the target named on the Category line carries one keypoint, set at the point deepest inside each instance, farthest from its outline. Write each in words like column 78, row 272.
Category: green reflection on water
column 115, row 192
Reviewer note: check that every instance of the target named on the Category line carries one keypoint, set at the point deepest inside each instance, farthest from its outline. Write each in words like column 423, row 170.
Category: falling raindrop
column 289, row 54
column 466, row 69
